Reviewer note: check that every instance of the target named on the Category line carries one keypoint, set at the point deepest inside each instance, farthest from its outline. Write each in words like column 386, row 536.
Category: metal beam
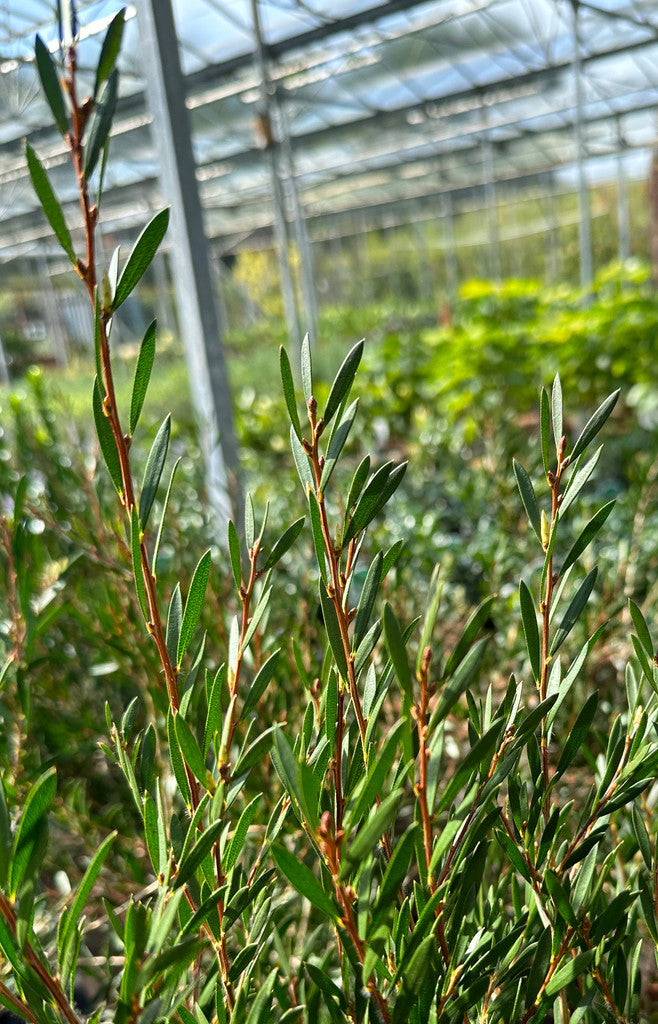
column 195, row 300
column 584, row 224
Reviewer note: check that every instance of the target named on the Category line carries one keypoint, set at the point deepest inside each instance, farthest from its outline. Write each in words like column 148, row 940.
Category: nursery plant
column 441, row 838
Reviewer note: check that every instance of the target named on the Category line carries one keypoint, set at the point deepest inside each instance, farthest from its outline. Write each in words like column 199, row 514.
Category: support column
column 204, row 353
column 267, row 130
column 623, row 205
column 584, row 222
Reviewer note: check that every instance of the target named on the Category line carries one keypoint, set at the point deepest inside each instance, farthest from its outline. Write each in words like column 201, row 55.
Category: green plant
column 434, row 849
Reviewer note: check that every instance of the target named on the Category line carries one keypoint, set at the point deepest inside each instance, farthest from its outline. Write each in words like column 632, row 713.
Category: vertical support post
column 584, row 222
column 488, row 172
column 623, row 204
column 204, row 353
column 306, row 266
column 163, row 306
column 450, row 247
column 271, row 146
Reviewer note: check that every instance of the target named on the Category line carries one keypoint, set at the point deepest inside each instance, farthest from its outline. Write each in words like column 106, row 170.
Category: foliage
column 458, row 826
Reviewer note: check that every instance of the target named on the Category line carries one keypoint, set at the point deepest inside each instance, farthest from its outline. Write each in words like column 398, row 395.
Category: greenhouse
column 328, row 512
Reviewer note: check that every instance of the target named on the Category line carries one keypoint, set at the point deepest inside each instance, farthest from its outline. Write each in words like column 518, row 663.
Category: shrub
column 428, row 849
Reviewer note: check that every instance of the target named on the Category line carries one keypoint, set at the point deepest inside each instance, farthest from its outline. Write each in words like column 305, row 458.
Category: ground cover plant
column 451, row 830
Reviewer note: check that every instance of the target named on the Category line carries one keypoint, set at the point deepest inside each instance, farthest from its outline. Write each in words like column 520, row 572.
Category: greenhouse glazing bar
column 584, row 225
column 197, row 313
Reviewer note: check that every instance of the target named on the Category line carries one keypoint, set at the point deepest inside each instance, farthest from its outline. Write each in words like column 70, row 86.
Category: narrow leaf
column 343, row 380
column 110, row 49
column 260, row 683
column 142, row 375
column 135, row 550
column 303, row 880
column 333, row 630
column 192, row 860
column 545, row 429
column 529, row 617
column 336, row 444
column 528, row 498
column 306, row 367
column 284, row 543
column 578, row 481
column 192, row 755
column 289, row 391
column 234, row 552
column 577, row 734
column 100, row 124
column 106, row 440
column 50, row 84
column 587, row 536
column 557, row 410
column 240, row 835
column 50, row 203
column 174, row 618
column 28, row 832
column 193, row 605
column 397, row 651
column 594, row 424
column 572, row 613
column 140, row 258
column 380, row 820
column 153, row 471
column 367, row 599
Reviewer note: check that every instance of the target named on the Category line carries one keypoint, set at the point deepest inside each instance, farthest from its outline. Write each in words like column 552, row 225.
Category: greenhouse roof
column 383, row 103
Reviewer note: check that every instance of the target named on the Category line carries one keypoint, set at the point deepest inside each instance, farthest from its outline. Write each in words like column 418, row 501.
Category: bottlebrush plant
column 441, row 840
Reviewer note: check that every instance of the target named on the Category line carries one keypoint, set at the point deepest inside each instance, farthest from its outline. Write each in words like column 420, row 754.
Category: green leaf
column 367, row 599
column 303, row 880
column 318, row 536
column 165, row 506
column 528, row 498
column 545, row 428
column 306, row 367
column 289, row 391
column 100, row 124
column 557, row 410
column 192, row 755
column 176, row 758
column 333, row 631
column 377, row 492
column 140, row 258
column 50, row 84
column 378, row 769
column 301, row 462
column 395, row 873
column 540, row 964
column 574, row 609
column 259, row 611
column 397, row 651
column 85, row 887
column 30, row 827
column 174, row 618
column 576, row 968
column 357, row 483
column 331, row 708
column 106, row 440
column 142, row 375
column 343, row 381
column 578, row 481
column 641, row 628
column 471, row 630
column 379, row 821
column 234, row 552
column 260, row 683
column 588, row 534
column 284, row 543
column 214, row 714
column 286, row 765
column 138, row 572
column 336, row 444
column 594, row 424
column 240, row 835
column 641, row 834
column 193, row 605
column 558, row 894
column 530, row 628
column 192, row 860
column 50, row 203
column 461, row 679
column 110, row 49
column 153, row 471
column 435, row 591
column 577, row 734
